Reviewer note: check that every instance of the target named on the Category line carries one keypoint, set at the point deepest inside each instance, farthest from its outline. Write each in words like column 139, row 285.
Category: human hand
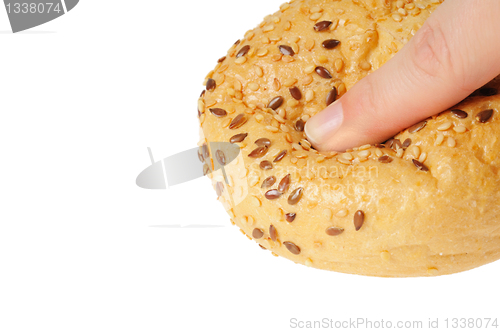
column 456, row 51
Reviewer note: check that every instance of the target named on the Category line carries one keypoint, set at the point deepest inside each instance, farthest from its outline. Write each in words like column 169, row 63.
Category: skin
column 456, row 51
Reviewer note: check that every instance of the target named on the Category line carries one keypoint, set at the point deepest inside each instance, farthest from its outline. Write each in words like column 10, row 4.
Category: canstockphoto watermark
column 474, row 323
column 224, row 164
column 358, row 323
column 26, row 14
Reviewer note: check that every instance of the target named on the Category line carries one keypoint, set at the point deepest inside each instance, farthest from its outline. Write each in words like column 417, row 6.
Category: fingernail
column 321, row 127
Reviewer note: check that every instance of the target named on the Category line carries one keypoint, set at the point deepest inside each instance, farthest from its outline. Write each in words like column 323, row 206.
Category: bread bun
column 424, row 203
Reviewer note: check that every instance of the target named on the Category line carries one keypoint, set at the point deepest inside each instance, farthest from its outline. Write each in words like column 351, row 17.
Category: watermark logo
column 188, row 165
column 27, row 14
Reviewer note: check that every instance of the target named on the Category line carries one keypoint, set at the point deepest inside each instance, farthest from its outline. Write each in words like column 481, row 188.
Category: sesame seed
column 309, row 95
column 243, row 51
column 330, row 44
column 276, row 57
column 484, row 116
column 451, row 142
column 265, row 165
column 327, row 213
column 255, row 201
column 334, row 231
column 343, row 161
column 276, row 84
column 417, row 127
column 445, row 126
column 365, row 65
column 238, row 121
column 323, row 59
column 286, row 50
column 268, row 28
column 279, row 118
column 211, row 84
column 268, row 182
column 262, row 52
column 292, row 247
column 415, row 151
column 290, row 217
column 237, row 85
column 221, row 59
column 307, row 80
column 259, row 152
column 397, row 17
column 289, row 82
column 275, row 102
column 309, row 69
column 332, row 95
column 253, row 86
column 309, row 44
column 295, row 196
column 364, row 154
column 460, row 129
column 315, row 16
column 316, row 9
column 218, row 112
column 219, row 188
column 305, row 144
column 295, row 92
column 339, row 64
column 273, row 233
column 347, row 156
column 272, row 129
column 420, row 165
column 280, row 156
column 292, row 102
column 323, row 72
column 439, row 139
column 240, row 60
column 385, row 256
column 321, row 26
column 257, row 233
column 341, row 89
column 359, row 219
column 422, row 157
column 272, row 194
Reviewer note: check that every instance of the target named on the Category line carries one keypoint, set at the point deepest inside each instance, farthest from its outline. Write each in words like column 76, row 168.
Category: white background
column 81, row 98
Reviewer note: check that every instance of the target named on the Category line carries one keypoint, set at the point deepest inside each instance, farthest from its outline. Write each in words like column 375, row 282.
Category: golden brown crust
column 427, row 207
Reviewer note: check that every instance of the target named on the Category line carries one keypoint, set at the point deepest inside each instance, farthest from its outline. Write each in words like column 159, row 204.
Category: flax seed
column 334, row 231
column 323, row 72
column 321, row 26
column 484, row 116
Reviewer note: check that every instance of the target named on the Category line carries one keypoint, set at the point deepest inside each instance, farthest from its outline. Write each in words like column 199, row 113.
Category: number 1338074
column 33, row 8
